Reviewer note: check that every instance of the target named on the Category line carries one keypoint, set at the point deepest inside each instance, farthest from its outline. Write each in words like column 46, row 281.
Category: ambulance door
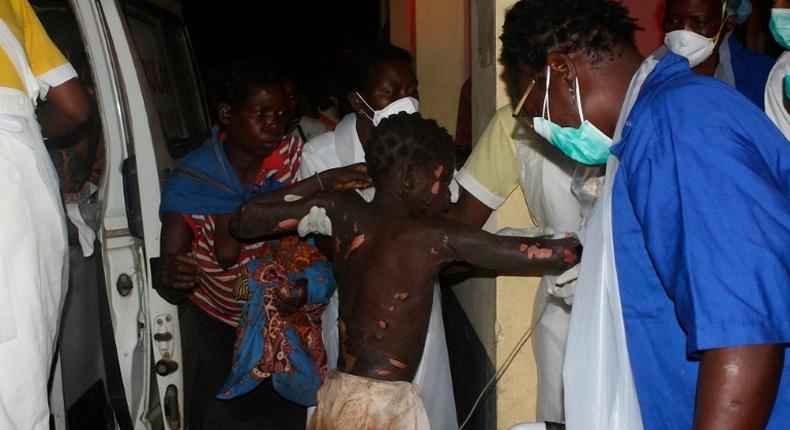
column 152, row 107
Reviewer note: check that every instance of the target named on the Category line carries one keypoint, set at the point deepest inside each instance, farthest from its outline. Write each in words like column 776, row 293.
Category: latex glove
column 315, row 222
column 565, row 285
column 527, row 232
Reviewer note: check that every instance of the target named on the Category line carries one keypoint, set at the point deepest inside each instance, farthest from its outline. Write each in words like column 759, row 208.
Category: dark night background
column 302, row 35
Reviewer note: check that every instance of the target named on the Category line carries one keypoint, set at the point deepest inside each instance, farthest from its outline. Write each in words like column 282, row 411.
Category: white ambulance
column 151, row 109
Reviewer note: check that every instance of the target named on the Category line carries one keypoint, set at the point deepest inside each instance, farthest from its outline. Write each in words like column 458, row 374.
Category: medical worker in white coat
column 381, row 82
column 33, row 259
column 505, row 157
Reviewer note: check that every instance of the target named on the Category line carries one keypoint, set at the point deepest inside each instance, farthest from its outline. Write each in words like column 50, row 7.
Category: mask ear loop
column 366, row 104
column 546, row 112
column 724, row 17
column 579, row 100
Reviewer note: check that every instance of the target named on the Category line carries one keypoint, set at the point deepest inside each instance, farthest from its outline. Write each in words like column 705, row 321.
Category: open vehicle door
column 151, row 107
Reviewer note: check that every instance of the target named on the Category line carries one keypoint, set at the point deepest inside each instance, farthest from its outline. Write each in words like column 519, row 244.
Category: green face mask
column 780, row 26
column 585, row 144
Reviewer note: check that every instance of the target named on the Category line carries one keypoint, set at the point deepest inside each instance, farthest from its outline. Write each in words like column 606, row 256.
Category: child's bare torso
column 385, row 272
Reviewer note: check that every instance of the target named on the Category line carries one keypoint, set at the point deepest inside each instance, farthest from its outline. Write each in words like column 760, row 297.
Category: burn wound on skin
column 356, row 242
column 400, row 296
column 350, row 360
column 391, row 308
column 534, row 252
column 291, row 198
column 383, row 372
column 435, row 188
column 398, row 364
column 568, row 256
column 288, row 224
column 381, row 324
column 437, row 172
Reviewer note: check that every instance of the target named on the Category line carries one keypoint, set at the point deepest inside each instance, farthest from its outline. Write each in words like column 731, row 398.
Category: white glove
column 315, row 222
column 527, row 232
column 565, row 285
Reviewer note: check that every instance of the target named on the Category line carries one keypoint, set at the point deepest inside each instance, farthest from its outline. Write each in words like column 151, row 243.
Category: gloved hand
column 527, row 232
column 565, row 285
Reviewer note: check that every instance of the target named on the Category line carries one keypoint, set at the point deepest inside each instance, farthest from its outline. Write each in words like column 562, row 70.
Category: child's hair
column 231, row 83
column 406, row 137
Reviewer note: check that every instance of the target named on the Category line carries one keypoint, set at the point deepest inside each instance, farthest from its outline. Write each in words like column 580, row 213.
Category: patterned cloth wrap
column 287, row 348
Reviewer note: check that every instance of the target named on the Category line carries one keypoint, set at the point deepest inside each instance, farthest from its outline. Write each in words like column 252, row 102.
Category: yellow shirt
column 492, row 171
column 46, row 61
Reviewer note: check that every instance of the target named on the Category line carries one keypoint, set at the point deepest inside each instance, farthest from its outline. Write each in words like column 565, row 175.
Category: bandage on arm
column 269, row 213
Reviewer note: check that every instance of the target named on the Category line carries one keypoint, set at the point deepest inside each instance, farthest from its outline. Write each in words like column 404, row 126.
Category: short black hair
column 406, row 137
column 231, row 83
column 354, row 68
column 533, row 28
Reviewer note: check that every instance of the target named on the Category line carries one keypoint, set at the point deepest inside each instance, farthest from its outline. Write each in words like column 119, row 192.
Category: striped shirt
column 214, row 293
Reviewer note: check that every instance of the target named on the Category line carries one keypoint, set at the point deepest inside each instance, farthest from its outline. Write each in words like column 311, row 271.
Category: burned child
column 388, row 254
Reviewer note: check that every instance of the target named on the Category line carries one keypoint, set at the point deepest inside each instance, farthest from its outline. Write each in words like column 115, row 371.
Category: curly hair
column 231, row 83
column 534, row 28
column 406, row 137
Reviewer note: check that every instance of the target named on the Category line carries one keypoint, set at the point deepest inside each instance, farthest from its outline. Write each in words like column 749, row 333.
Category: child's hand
column 350, row 177
column 288, row 305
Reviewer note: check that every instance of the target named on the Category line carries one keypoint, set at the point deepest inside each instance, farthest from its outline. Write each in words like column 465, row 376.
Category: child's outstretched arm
column 262, row 215
column 457, row 242
column 281, row 210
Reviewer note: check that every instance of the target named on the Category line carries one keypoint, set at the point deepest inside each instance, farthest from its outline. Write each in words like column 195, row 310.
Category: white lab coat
column 33, row 258
column 546, row 176
column 599, row 385
column 342, row 147
column 774, row 95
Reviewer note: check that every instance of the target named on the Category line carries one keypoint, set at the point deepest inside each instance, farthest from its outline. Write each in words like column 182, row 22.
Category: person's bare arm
column 273, row 213
column 737, row 387
column 179, row 267
column 64, row 110
column 507, row 255
column 469, row 210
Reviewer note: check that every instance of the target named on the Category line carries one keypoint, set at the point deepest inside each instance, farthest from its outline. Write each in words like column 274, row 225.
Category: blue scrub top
column 701, row 227
column 751, row 71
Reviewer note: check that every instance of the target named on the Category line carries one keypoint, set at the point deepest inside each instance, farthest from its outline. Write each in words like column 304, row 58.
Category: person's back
column 388, row 254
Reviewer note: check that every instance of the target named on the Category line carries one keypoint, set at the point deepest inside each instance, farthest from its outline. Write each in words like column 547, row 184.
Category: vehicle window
column 164, row 51
column 79, row 156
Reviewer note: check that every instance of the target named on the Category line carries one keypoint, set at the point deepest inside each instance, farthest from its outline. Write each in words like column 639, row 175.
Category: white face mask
column 695, row 47
column 403, row 104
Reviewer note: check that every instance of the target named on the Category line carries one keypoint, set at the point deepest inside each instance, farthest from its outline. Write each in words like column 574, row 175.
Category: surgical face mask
column 780, row 26
column 739, row 9
column 695, row 47
column 585, row 144
column 403, row 104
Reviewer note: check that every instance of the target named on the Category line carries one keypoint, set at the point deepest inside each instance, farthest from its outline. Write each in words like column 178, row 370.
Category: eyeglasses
column 518, row 112
column 520, row 105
